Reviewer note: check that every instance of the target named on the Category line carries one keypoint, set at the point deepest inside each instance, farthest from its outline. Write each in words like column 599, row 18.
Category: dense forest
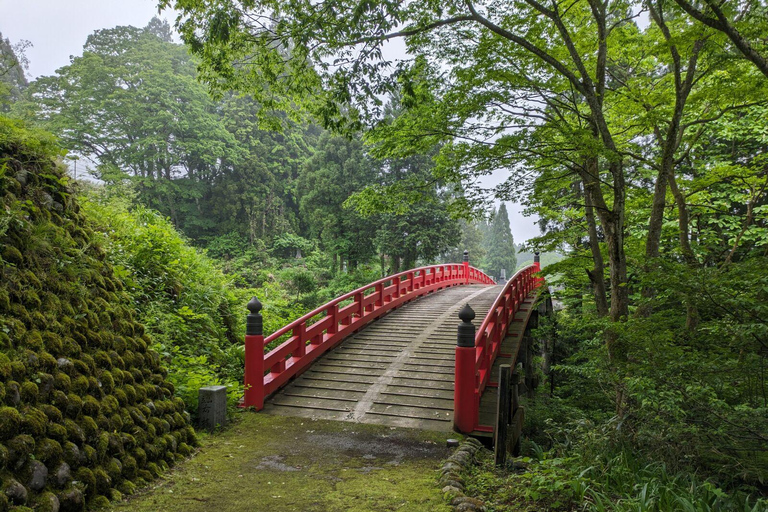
column 282, row 151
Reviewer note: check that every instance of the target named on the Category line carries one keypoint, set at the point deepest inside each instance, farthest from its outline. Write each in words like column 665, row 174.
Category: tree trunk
column 597, row 275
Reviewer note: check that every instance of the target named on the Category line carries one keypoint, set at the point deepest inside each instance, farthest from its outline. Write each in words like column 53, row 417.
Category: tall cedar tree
column 500, row 245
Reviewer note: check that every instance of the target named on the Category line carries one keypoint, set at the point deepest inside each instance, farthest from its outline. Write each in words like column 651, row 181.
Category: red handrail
column 265, row 373
column 474, row 364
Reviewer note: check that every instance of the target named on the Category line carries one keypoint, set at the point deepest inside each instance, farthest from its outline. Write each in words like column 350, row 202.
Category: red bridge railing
column 476, row 354
column 320, row 330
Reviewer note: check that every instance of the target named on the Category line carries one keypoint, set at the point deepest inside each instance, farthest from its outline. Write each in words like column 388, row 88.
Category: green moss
column 62, row 382
column 10, row 422
column 29, row 392
column 117, row 421
column 127, row 488
column 57, row 432
column 109, row 405
column 33, row 339
column 49, row 452
column 121, row 397
column 18, row 370
column 20, row 448
column 127, row 440
column 75, row 432
column 90, row 454
column 34, row 421
column 12, row 255
column 102, row 445
column 51, row 412
column 5, row 367
column 107, row 382
column 74, row 405
column 4, row 457
column 88, row 479
column 100, row 502
column 80, row 385
column 46, row 502
column 114, row 469
column 89, row 426
column 12, row 393
column 103, row 482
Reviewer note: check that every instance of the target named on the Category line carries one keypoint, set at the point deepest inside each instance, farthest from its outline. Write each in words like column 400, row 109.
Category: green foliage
column 182, row 297
column 617, row 483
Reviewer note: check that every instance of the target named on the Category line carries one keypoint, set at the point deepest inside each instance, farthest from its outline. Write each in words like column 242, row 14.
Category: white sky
column 57, row 30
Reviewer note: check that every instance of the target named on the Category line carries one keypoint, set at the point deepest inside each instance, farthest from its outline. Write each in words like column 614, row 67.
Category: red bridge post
column 537, row 261
column 466, row 267
column 254, row 357
column 464, row 385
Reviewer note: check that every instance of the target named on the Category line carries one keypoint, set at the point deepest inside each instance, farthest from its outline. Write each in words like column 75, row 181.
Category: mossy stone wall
column 86, row 411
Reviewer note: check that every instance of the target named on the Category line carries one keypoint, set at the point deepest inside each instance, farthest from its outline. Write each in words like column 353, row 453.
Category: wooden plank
column 431, row 403
column 431, row 378
column 446, row 394
column 312, row 403
column 311, row 383
column 431, row 361
column 410, row 412
column 341, row 377
column 347, row 370
column 333, row 394
column 357, row 358
column 442, row 386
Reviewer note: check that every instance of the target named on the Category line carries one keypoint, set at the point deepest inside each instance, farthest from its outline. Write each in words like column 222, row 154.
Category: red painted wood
column 488, row 344
column 308, row 342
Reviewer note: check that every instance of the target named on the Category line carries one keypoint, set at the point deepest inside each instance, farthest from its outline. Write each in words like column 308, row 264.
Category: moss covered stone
column 34, row 421
column 76, row 374
column 10, row 422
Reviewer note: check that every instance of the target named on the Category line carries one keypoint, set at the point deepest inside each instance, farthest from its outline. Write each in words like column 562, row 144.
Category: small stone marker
column 212, row 407
column 451, row 443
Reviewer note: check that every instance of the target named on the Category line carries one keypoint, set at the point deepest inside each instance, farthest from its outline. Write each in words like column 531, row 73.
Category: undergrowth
column 618, row 483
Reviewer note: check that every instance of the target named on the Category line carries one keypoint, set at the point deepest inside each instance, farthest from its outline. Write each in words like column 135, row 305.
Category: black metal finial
column 254, row 325
column 466, row 255
column 467, row 314
column 254, row 306
column 466, row 333
column 536, row 258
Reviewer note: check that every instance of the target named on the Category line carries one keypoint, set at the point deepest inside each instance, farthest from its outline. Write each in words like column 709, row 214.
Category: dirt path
column 277, row 464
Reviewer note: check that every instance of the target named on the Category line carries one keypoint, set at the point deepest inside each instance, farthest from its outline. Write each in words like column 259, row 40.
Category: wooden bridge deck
column 397, row 371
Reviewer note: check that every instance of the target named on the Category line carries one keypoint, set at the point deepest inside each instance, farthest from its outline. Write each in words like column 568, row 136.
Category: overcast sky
column 57, row 30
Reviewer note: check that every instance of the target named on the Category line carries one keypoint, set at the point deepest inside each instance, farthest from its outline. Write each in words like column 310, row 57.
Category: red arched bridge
column 389, row 352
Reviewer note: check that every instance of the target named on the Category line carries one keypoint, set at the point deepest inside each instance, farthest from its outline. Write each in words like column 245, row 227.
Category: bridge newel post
column 466, row 266
column 537, row 261
column 464, row 387
column 254, row 357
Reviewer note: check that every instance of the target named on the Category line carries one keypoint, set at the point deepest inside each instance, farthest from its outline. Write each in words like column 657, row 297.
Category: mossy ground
column 287, row 464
